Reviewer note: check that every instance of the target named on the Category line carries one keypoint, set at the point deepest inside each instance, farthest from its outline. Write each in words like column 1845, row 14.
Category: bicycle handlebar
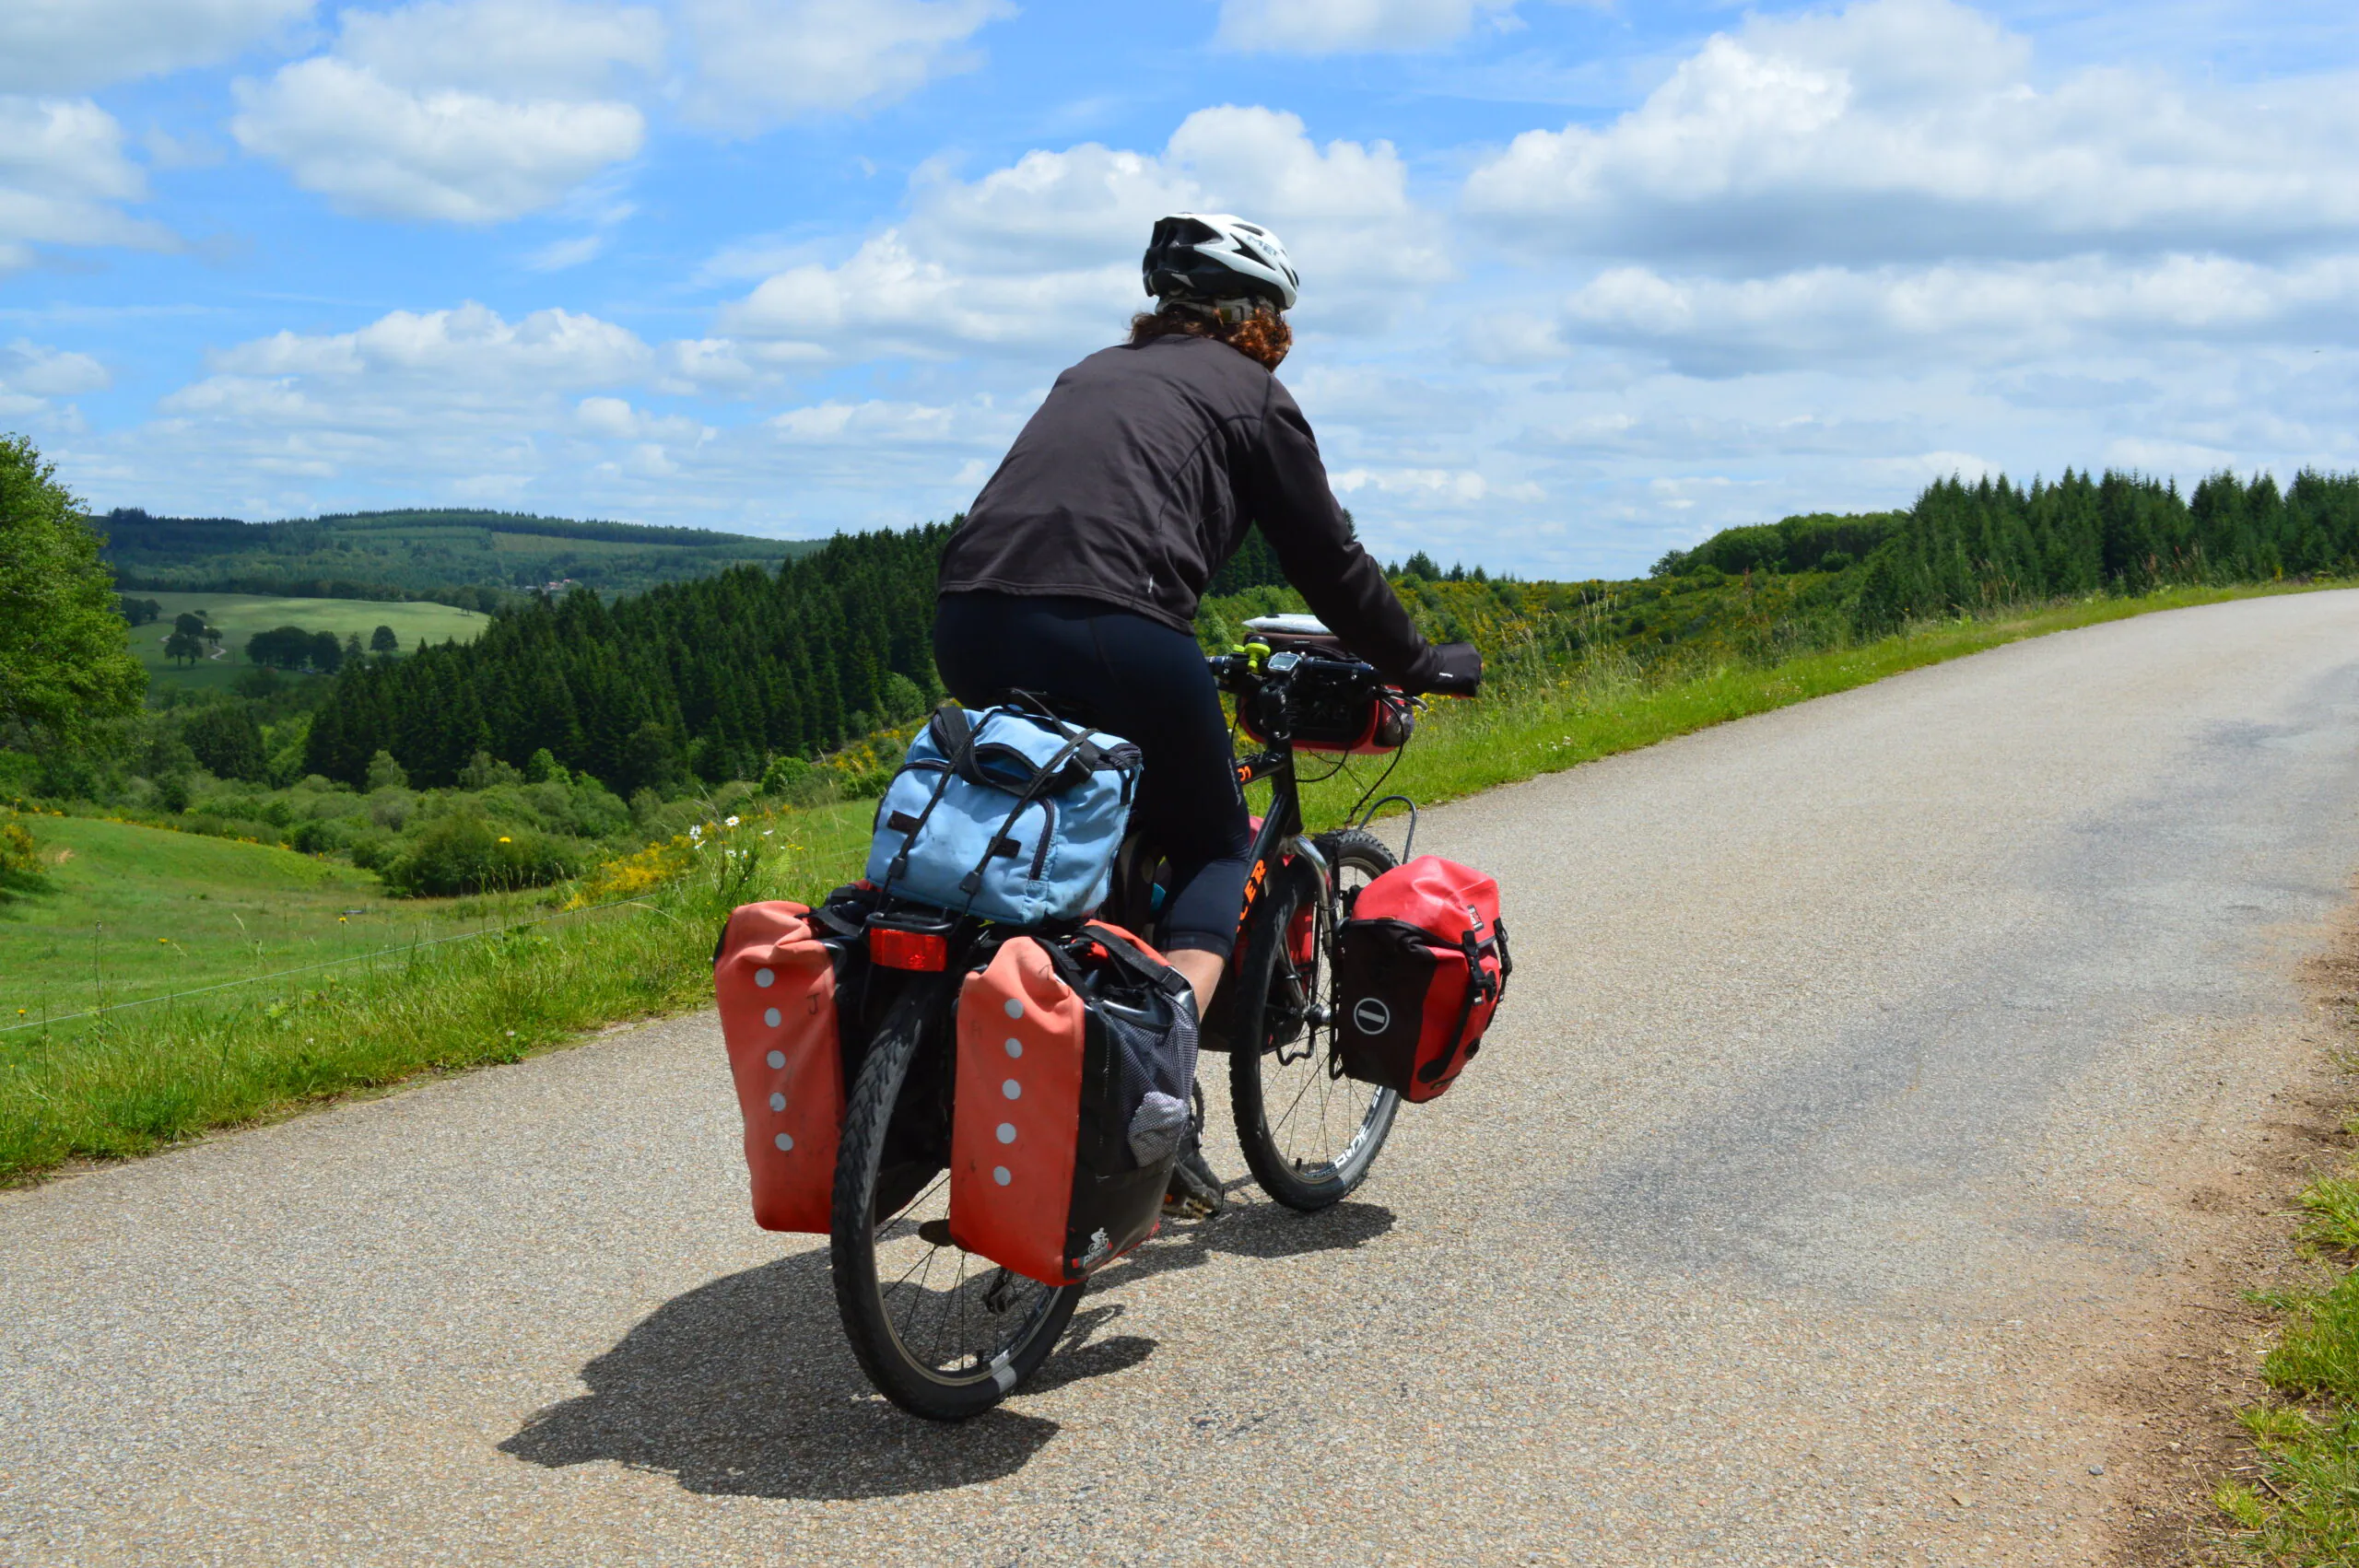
column 1461, row 673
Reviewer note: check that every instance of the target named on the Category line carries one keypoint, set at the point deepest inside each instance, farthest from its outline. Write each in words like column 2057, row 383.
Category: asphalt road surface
column 1819, row 1200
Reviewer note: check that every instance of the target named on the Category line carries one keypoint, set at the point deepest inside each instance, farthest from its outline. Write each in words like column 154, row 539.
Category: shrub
column 20, row 860
column 787, row 777
column 373, row 851
column 903, row 700
column 541, row 767
column 484, row 772
column 453, row 855
column 172, row 793
column 317, row 836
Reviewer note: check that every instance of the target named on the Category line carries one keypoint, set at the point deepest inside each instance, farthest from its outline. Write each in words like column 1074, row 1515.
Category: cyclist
column 1076, row 574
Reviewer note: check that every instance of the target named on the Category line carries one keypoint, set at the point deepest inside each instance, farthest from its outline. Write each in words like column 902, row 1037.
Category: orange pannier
column 1059, row 1050
column 775, row 978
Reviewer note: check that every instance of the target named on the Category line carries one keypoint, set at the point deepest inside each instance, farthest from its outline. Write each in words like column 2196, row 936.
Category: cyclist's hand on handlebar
column 1459, row 673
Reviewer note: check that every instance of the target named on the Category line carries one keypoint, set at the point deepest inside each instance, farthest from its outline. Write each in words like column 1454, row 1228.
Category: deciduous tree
column 66, row 660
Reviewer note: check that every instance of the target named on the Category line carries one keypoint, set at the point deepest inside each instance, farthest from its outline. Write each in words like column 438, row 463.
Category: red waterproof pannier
column 1420, row 966
column 775, row 975
column 1060, row 1045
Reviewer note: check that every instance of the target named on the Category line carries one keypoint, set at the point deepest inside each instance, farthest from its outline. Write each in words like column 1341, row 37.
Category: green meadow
column 239, row 615
column 126, row 912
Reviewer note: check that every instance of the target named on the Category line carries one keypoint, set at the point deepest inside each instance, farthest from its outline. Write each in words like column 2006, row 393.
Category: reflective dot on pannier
column 1015, row 1046
column 1011, row 1089
column 763, row 977
column 778, row 1102
column 771, row 1018
column 1007, row 1132
column 999, row 1175
column 1014, row 1008
column 776, row 1059
column 784, row 1141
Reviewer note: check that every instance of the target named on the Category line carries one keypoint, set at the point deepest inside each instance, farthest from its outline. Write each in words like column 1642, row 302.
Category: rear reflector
column 926, row 950
column 1302, row 937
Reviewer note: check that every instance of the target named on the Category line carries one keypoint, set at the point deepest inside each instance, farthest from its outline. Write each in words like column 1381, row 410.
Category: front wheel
column 942, row 1333
column 1308, row 1135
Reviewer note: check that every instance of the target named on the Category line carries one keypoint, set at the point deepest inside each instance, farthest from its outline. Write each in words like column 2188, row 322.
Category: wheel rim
column 955, row 1317
column 1320, row 1125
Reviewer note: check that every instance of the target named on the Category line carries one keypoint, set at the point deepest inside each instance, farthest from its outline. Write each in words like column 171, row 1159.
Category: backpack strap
column 972, row 884
column 956, row 737
column 901, row 863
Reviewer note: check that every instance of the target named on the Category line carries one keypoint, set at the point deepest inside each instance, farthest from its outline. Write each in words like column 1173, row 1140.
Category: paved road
column 1815, row 1204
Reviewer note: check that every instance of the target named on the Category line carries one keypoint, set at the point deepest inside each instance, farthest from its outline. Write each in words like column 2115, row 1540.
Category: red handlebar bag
column 1059, row 1044
column 1419, row 970
column 775, row 975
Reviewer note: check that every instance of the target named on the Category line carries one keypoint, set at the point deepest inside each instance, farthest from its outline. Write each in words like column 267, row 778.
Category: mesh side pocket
column 1155, row 1073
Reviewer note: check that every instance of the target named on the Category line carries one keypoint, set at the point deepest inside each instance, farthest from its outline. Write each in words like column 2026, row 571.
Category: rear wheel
column 942, row 1333
column 1308, row 1136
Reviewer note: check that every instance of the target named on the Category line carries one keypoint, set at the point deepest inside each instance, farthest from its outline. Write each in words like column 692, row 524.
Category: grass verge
column 124, row 911
column 133, row 1082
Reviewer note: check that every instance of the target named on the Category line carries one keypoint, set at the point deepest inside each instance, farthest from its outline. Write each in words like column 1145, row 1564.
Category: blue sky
column 1582, row 281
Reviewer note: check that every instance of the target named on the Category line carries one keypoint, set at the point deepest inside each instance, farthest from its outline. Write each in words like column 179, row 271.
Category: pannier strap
column 1163, row 976
column 842, row 925
column 1480, row 987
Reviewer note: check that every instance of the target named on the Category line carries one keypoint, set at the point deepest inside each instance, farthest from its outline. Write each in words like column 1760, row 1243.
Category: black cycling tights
column 1122, row 672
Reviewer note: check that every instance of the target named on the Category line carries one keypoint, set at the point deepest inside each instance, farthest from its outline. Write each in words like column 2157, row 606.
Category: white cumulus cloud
column 469, row 111
column 33, row 374
column 1045, row 251
column 759, row 62
column 1913, row 129
column 471, row 349
column 73, row 45
column 513, row 49
column 64, row 181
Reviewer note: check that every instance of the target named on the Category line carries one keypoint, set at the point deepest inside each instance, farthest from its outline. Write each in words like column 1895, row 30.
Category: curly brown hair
column 1262, row 337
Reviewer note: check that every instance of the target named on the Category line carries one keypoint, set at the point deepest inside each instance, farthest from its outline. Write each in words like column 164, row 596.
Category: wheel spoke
column 927, row 1350
column 1308, row 1150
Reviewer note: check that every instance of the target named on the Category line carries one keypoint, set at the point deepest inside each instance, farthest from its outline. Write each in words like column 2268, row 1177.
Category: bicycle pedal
column 935, row 1233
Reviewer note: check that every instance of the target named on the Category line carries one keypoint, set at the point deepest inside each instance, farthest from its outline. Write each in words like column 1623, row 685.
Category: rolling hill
column 464, row 557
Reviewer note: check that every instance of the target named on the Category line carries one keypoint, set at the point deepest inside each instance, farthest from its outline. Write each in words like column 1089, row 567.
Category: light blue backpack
column 1009, row 814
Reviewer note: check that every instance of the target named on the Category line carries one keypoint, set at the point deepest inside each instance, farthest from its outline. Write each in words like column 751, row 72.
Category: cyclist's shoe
column 1195, row 1192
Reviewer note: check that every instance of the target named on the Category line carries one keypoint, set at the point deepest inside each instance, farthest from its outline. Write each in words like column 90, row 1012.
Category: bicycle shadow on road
column 745, row 1387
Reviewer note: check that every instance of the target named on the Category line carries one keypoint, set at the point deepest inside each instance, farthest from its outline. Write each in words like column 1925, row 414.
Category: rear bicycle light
column 925, row 952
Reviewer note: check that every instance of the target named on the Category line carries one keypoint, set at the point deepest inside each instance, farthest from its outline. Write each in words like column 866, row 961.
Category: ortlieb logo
column 1371, row 1016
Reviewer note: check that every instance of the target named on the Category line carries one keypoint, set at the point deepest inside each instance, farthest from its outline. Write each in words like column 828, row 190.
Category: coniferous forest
column 706, row 678
column 1968, row 547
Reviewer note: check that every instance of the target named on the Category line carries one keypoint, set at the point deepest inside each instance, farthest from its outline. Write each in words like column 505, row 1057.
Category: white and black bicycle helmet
column 1209, row 257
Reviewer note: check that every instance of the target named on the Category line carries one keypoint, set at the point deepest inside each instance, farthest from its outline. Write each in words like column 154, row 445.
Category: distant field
column 135, row 912
column 239, row 615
